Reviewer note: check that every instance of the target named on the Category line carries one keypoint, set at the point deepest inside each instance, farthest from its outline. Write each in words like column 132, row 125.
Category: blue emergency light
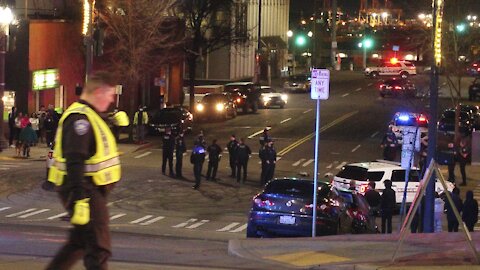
column 404, row 117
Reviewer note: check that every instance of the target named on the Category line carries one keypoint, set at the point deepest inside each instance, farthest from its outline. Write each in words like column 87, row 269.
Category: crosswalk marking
column 183, row 224
column 308, row 162
column 153, row 220
column 140, row 219
column 34, row 213
column 341, row 165
column 117, row 216
column 4, row 208
column 298, row 162
column 198, row 224
column 239, row 229
column 228, row 227
column 58, row 216
column 22, row 212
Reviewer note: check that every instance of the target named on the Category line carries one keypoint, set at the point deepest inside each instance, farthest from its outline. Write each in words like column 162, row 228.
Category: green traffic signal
column 300, row 40
column 368, row 42
column 461, row 27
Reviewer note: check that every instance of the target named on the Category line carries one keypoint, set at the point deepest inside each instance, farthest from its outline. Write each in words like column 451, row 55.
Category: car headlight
column 200, row 107
column 367, row 70
column 219, row 107
column 284, row 97
column 266, row 99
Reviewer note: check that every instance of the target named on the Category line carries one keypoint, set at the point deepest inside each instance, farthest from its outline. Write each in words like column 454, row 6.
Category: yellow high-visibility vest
column 104, row 165
column 120, row 119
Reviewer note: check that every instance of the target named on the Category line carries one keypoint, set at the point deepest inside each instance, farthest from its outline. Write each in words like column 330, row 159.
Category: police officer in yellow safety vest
column 86, row 167
column 119, row 119
column 140, row 120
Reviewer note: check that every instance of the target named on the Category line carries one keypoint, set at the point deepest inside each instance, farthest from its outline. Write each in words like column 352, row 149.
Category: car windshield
column 213, row 98
column 353, row 172
column 296, row 188
column 299, row 78
column 167, row 116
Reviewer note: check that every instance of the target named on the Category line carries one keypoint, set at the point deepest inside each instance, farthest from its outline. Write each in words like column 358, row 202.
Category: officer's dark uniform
column 389, row 144
column 94, row 237
column 264, row 137
column 180, row 148
column 462, row 153
column 232, row 150
column 168, row 147
column 197, row 158
column 214, row 151
column 387, row 206
column 242, row 156
column 268, row 155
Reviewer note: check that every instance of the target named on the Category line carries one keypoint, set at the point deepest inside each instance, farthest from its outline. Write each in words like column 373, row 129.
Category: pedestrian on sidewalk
column 168, row 147
column 12, row 115
column 451, row 218
column 41, row 124
column 140, row 121
column 197, row 158
column 232, row 152
column 388, row 206
column 214, row 155
column 18, row 125
column 28, row 137
column 462, row 154
column 470, row 211
column 35, row 121
column 439, row 209
column 180, row 148
column 374, row 200
column 242, row 157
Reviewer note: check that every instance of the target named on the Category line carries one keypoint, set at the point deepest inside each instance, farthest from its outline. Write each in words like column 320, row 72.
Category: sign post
column 319, row 90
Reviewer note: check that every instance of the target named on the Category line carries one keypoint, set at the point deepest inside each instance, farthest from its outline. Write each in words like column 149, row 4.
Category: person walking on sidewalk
column 388, row 206
column 457, row 203
column 242, row 156
column 197, row 158
column 214, row 155
column 35, row 121
column 86, row 167
column 462, row 154
column 168, row 148
column 470, row 211
column 232, row 152
column 12, row 115
column 28, row 137
column 180, row 148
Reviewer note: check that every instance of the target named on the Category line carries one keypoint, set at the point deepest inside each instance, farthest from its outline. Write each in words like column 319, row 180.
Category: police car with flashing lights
column 408, row 119
column 394, row 67
column 359, row 174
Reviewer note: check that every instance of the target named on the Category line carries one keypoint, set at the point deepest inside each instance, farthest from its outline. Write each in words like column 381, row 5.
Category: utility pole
column 259, row 43
column 334, row 35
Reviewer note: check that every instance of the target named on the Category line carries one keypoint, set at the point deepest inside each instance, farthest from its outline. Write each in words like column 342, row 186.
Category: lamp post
column 6, row 17
column 365, row 44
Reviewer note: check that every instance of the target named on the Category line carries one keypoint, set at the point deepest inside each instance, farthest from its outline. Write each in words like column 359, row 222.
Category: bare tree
column 210, row 25
column 140, row 37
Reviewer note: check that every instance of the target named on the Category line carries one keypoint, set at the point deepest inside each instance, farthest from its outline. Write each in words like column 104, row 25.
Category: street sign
column 320, row 87
column 118, row 89
column 396, row 48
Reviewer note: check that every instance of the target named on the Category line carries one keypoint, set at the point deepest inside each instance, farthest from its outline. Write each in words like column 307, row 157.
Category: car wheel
column 374, row 75
column 404, row 75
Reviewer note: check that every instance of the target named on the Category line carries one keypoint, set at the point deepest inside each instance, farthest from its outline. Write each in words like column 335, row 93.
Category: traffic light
column 300, row 40
column 461, row 28
column 368, row 42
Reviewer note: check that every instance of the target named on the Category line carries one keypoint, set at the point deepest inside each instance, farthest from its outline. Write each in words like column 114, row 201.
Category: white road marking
column 34, row 213
column 152, row 220
column 4, row 208
column 308, row 111
column 374, row 134
column 286, row 120
column 329, row 166
column 117, row 216
column 58, row 216
column 228, row 227
column 308, row 162
column 239, row 229
column 140, row 219
column 278, row 158
column 143, row 155
column 358, row 89
column 356, row 148
column 341, row 165
column 370, row 84
column 22, row 212
column 298, row 162
column 255, row 134
column 183, row 224
column 10, row 165
column 344, row 95
column 198, row 224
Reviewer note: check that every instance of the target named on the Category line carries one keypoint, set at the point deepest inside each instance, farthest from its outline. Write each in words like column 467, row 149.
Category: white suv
column 379, row 171
column 403, row 69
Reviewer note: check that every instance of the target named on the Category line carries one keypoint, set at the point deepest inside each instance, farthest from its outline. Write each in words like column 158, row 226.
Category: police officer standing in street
column 197, row 158
column 180, row 148
column 242, row 156
column 264, row 137
column 168, row 148
column 268, row 155
column 389, row 145
column 214, row 155
column 232, row 151
column 85, row 171
column 140, row 120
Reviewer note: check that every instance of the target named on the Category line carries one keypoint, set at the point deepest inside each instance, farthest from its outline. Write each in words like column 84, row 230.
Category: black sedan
column 176, row 118
column 397, row 87
column 285, row 208
column 474, row 89
column 216, row 106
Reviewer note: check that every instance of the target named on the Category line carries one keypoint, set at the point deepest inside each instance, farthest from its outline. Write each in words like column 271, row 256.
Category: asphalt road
column 148, row 204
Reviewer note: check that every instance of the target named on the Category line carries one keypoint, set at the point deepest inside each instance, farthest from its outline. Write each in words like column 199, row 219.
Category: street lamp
column 6, row 17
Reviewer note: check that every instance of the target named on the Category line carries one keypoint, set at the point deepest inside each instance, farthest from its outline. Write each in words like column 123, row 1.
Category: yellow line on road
column 308, row 258
column 311, row 135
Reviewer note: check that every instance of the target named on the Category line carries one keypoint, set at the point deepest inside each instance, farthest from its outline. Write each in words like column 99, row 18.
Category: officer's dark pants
column 167, row 157
column 452, row 224
column 389, row 153
column 212, row 169
column 91, row 241
column 50, row 137
column 263, row 178
column 451, row 171
column 197, row 171
column 178, row 165
column 242, row 166
column 270, row 172
column 387, row 220
column 233, row 165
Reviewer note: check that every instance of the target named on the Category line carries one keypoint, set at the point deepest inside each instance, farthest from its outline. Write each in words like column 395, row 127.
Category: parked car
column 245, row 94
column 473, row 69
column 397, row 87
column 474, row 89
column 402, row 69
column 408, row 119
column 271, row 97
column 216, row 106
column 177, row 118
column 298, row 83
column 285, row 208
column 447, row 122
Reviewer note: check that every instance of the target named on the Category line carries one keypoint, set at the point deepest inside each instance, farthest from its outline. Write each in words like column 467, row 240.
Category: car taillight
column 363, row 188
column 263, row 203
column 381, row 86
column 398, row 87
